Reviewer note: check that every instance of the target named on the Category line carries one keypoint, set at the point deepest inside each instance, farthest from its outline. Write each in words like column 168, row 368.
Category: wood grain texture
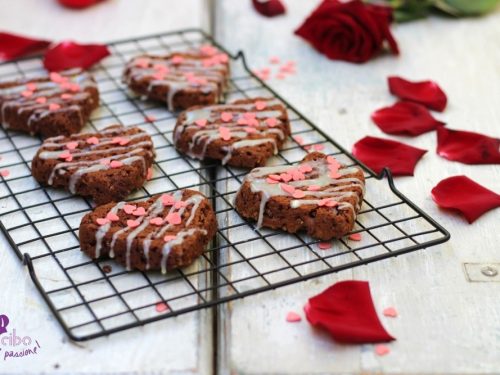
column 180, row 345
column 447, row 325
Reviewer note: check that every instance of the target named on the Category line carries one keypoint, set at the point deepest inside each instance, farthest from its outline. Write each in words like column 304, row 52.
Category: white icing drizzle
column 103, row 229
column 158, row 231
column 205, row 135
column 11, row 95
column 134, row 151
column 336, row 188
column 205, row 72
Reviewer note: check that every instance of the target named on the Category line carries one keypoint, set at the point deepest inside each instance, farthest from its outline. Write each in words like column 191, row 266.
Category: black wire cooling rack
column 91, row 299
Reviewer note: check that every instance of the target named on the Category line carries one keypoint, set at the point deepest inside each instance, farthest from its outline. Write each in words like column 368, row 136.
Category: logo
column 14, row 346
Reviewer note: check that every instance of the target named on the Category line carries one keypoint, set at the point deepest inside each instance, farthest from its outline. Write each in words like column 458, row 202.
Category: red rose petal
column 378, row 153
column 78, row 4
column 269, row 8
column 69, row 54
column 405, row 118
column 463, row 194
column 13, row 46
column 468, row 147
column 427, row 93
column 346, row 310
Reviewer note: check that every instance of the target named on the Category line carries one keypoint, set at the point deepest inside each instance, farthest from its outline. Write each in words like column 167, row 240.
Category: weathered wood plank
column 447, row 324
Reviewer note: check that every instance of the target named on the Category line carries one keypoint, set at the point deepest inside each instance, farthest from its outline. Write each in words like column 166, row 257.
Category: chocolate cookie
column 106, row 165
column 182, row 79
column 318, row 195
column 58, row 104
column 162, row 233
column 244, row 133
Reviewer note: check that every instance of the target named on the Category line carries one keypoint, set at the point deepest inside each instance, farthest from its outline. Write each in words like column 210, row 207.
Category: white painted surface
column 446, row 324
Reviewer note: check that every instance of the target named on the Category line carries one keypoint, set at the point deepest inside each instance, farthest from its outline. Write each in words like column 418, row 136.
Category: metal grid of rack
column 89, row 300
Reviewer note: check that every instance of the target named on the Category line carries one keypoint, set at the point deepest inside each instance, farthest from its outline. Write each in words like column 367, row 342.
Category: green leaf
column 464, row 8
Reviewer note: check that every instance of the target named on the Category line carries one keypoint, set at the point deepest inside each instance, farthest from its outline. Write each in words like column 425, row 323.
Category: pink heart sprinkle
column 314, row 188
column 287, row 188
column 66, row 96
column 286, row 177
column 275, row 177
column 120, row 140
column 226, row 116
column 305, row 168
column 161, row 307
column 201, row 122
column 177, row 60
column 41, row 100
column 319, row 147
column 274, row 60
column 298, row 139
column 355, row 237
column 74, row 87
column 129, row 209
column 293, row 317
column 298, row 194
column 92, row 140
column 156, row 221
column 149, row 174
column 31, row 86
column 66, row 156
column 102, row 221
column 271, row 181
column 140, row 211
column 331, row 203
column 390, row 312
column 335, row 175
column 260, row 105
column 112, row 216
column 331, row 160
column 54, row 107
column 150, row 118
column 27, row 93
column 297, row 175
column 133, row 223
column 169, row 237
column 115, row 164
column 141, row 62
column 242, row 121
column 174, row 218
column 167, row 199
column 250, row 130
column 225, row 133
column 249, row 115
column 271, row 122
column 71, row 145
column 280, row 76
column 105, row 162
column 381, row 349
column 325, row 245
column 56, row 77
column 180, row 204
column 4, row 172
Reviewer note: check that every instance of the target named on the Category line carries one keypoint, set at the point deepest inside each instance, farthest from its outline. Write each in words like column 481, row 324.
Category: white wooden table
column 447, row 324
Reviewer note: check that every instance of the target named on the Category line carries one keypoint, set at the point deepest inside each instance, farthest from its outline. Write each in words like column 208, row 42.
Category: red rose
column 350, row 31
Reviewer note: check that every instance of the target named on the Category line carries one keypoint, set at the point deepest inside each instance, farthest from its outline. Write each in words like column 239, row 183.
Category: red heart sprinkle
column 54, row 107
column 226, row 116
column 287, row 188
column 174, row 218
column 115, row 164
column 102, row 221
column 167, row 199
column 260, row 105
column 381, row 349
column 325, row 245
column 140, row 211
column 129, row 209
column 161, row 306
column 271, row 122
column 355, row 237
column 156, row 221
column 390, row 312
column 201, row 122
column 298, row 194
